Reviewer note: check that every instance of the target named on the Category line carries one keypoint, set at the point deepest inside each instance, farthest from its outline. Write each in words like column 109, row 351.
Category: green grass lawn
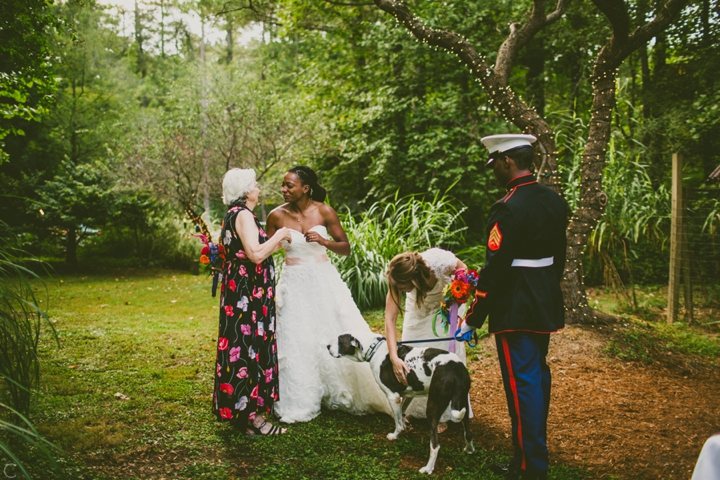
column 127, row 394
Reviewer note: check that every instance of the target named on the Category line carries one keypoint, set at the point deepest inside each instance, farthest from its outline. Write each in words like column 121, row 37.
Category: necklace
column 301, row 214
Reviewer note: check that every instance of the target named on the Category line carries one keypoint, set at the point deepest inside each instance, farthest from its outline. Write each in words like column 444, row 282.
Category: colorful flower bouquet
column 212, row 257
column 460, row 290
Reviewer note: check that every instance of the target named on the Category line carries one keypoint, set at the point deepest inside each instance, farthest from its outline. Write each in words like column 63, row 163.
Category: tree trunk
column 140, row 65
column 229, row 39
column 592, row 199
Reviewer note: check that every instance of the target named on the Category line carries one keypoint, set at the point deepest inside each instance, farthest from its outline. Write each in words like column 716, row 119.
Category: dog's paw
column 469, row 448
column 426, row 470
column 393, row 436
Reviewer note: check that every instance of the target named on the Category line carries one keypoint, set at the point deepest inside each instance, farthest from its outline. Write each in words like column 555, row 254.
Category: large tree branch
column 502, row 98
column 622, row 43
column 520, row 36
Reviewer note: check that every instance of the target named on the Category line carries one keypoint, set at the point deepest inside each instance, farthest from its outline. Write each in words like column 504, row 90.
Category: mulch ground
column 613, row 418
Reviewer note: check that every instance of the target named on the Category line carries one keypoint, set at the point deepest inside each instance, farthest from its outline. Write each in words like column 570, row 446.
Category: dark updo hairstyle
column 308, row 177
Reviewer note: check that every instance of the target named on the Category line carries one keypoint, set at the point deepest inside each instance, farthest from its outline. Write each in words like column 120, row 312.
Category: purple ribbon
column 453, row 324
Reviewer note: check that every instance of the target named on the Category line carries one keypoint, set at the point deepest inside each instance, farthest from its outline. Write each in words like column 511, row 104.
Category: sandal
column 253, row 431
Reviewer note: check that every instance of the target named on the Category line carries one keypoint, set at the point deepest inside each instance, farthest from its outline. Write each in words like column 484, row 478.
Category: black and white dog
column 433, row 372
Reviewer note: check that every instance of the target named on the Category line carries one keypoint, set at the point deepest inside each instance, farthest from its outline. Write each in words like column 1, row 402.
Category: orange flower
column 204, row 259
column 459, row 290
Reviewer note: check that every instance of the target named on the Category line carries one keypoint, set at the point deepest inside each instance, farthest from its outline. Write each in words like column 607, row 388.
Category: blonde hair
column 237, row 183
column 407, row 269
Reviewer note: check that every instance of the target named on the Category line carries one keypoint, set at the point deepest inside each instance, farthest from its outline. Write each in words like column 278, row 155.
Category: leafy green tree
column 26, row 83
column 75, row 203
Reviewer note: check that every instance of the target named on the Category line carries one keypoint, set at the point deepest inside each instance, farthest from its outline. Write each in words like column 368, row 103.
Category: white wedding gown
column 417, row 324
column 314, row 306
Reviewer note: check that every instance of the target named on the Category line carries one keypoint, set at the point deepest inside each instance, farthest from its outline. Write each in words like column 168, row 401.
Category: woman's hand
column 284, row 233
column 400, row 370
column 312, row 236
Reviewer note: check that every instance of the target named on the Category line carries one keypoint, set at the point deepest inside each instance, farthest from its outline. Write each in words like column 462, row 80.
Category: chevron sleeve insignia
column 495, row 238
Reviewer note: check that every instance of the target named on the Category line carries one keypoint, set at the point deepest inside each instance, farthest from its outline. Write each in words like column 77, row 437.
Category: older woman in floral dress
column 246, row 372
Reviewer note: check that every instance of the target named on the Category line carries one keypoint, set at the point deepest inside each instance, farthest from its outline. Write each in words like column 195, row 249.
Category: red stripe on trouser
column 513, row 387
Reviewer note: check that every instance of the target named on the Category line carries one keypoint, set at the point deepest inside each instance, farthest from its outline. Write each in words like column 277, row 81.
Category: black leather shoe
column 502, row 469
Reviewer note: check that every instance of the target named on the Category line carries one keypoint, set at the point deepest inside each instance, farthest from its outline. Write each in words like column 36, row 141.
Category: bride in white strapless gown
column 314, row 306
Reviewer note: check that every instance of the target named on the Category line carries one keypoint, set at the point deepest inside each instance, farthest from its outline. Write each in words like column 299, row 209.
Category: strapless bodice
column 307, row 252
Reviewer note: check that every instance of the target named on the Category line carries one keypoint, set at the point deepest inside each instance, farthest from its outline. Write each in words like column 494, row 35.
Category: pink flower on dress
column 217, row 369
column 268, row 375
column 225, row 413
column 245, row 329
column 243, row 271
column 274, row 348
column 242, row 373
column 227, row 388
column 222, row 343
column 257, row 292
column 254, row 393
column 260, row 401
column 229, row 310
column 264, row 310
column 235, row 354
column 270, row 292
column 241, row 254
column 232, row 285
column 254, row 316
column 258, row 268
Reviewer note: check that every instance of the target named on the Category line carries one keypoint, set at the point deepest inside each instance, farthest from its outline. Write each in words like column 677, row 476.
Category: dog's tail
column 459, row 403
column 458, row 415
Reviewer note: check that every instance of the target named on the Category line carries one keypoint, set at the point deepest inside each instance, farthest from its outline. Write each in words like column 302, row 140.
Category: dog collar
column 373, row 348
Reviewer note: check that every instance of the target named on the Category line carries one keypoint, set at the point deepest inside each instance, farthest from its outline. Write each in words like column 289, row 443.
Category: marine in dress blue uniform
column 519, row 290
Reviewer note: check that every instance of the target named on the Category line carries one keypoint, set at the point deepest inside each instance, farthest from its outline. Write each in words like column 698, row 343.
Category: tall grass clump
column 21, row 321
column 395, row 226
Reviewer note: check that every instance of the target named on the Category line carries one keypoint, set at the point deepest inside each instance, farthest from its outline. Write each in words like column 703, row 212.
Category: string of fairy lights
column 515, row 111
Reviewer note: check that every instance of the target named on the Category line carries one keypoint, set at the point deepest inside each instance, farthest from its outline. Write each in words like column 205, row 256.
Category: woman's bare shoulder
column 280, row 210
column 325, row 209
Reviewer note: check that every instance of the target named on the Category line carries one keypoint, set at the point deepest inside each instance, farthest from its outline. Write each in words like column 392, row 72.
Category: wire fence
column 697, row 252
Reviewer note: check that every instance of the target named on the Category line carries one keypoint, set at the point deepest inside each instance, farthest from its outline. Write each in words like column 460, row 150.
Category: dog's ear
column 356, row 343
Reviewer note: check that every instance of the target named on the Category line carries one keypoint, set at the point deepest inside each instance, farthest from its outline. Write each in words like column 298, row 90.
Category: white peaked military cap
column 505, row 142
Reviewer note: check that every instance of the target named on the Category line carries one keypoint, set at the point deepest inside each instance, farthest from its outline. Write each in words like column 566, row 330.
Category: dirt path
column 629, row 420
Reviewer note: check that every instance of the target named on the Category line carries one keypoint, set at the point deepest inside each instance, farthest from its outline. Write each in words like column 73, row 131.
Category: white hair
column 237, row 183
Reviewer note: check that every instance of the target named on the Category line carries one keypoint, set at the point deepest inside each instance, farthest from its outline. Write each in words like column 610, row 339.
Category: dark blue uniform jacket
column 528, row 223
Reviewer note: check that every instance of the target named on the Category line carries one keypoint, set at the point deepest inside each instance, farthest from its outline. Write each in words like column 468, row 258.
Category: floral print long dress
column 246, row 371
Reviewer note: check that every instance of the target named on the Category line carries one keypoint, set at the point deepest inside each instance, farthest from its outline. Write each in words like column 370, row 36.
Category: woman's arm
column 341, row 245
column 391, row 314
column 460, row 265
column 272, row 223
column 248, row 231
